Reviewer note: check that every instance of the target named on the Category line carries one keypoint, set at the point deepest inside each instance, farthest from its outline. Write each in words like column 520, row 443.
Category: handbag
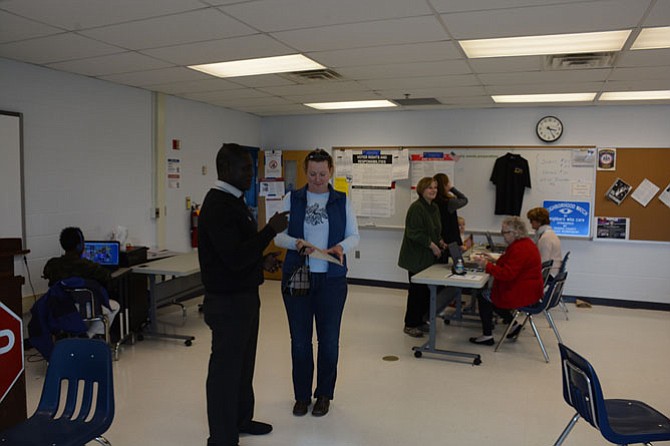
column 298, row 283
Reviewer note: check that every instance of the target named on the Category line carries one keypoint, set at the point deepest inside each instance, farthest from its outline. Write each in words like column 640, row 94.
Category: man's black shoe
column 300, row 408
column 321, row 406
column 256, row 428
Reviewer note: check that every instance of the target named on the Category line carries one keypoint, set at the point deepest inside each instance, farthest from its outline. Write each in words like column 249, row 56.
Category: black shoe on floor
column 300, row 408
column 514, row 332
column 257, row 428
column 487, row 341
column 321, row 406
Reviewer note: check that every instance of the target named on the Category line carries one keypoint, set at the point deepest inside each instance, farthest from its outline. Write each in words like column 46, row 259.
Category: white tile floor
column 514, row 398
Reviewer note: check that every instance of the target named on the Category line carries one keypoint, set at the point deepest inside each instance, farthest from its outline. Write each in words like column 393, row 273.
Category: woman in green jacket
column 421, row 247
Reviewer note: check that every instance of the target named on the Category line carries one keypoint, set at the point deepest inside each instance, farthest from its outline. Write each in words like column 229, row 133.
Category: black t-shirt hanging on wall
column 511, row 177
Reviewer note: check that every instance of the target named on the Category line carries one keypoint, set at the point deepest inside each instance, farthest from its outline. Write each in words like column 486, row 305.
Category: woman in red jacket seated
column 517, row 279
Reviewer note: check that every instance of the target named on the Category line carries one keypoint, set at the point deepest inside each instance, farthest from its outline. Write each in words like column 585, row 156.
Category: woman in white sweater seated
column 546, row 239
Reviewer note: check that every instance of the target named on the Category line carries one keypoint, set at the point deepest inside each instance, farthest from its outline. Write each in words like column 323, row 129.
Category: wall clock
column 549, row 128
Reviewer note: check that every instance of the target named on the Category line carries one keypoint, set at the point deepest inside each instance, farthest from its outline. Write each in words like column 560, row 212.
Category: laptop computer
column 492, row 246
column 456, row 254
column 105, row 253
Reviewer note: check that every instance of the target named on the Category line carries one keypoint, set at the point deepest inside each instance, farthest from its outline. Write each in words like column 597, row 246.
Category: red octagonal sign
column 11, row 349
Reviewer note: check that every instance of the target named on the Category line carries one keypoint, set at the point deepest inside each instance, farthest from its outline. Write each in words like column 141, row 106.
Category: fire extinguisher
column 195, row 212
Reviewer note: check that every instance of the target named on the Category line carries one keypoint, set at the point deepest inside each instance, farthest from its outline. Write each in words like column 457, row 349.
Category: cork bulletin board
column 633, row 165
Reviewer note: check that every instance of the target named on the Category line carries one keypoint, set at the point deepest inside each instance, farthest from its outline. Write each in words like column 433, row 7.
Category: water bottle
column 460, row 269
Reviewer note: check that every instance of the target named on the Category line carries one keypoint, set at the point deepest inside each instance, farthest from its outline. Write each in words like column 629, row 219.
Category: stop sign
column 11, row 349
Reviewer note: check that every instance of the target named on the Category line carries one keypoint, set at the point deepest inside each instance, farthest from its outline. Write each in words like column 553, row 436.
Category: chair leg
column 103, row 441
column 550, row 319
column 539, row 339
column 509, row 327
column 563, row 307
column 567, row 430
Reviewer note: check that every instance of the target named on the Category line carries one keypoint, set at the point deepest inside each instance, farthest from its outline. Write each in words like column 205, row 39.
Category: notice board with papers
column 633, row 166
column 557, row 173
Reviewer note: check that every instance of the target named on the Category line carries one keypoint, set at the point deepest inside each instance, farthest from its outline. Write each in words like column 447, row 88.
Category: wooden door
column 294, row 178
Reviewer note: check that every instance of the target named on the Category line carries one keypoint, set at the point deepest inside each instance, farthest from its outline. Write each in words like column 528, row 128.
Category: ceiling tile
column 387, row 32
column 406, row 70
column 635, row 85
column 150, row 77
column 422, row 82
column 194, row 26
column 577, row 87
column 314, row 87
column 193, row 86
column 541, row 20
column 82, row 14
column 550, row 77
column 226, row 94
column 433, row 92
column 294, row 14
column 111, row 64
column 506, row 64
column 482, row 5
column 648, row 58
column 659, row 15
column 247, row 47
column 644, row 73
column 378, row 55
column 333, row 97
column 13, row 28
column 55, row 48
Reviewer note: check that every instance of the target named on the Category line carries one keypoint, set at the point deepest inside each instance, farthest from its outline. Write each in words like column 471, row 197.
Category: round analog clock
column 549, row 128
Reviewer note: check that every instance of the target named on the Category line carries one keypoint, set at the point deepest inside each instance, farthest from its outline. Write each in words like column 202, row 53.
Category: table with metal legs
column 180, row 279
column 440, row 275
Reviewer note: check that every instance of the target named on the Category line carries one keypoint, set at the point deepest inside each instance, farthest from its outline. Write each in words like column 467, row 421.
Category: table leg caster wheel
column 417, row 354
column 477, row 361
column 188, row 343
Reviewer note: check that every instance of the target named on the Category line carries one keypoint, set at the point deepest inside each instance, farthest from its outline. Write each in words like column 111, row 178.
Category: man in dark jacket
column 230, row 250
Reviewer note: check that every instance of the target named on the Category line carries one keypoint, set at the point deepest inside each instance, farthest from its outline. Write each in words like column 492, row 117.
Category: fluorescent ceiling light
column 635, row 95
column 264, row 65
column 552, row 44
column 650, row 38
column 350, row 104
column 559, row 97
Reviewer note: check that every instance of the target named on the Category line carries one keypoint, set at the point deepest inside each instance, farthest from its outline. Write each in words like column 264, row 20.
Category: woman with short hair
column 546, row 239
column 517, row 279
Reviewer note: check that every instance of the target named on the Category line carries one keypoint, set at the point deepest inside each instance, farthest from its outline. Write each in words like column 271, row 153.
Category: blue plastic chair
column 562, row 269
column 619, row 421
column 77, row 402
column 551, row 298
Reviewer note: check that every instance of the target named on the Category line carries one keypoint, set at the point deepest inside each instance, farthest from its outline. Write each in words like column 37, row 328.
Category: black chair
column 551, row 297
column 80, row 369
column 561, row 269
column 546, row 269
column 619, row 421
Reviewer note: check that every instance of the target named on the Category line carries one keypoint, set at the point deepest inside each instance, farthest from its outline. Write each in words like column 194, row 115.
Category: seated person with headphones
column 71, row 264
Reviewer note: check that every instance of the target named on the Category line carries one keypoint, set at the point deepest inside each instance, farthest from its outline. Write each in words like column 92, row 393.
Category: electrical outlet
column 357, row 254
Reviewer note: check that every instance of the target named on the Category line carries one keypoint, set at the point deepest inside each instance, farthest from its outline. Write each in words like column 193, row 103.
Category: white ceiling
column 383, row 49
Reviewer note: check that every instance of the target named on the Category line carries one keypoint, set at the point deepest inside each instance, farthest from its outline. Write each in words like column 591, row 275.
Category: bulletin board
column 552, row 173
column 633, row 165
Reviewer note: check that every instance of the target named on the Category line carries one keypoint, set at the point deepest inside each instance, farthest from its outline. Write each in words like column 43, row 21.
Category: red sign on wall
column 11, row 349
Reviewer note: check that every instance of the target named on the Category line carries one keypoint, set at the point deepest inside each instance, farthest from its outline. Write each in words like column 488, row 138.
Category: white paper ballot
column 322, row 255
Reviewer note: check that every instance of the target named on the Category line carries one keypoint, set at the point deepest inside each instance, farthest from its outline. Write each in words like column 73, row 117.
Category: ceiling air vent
column 580, row 60
column 313, row 76
column 416, row 101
